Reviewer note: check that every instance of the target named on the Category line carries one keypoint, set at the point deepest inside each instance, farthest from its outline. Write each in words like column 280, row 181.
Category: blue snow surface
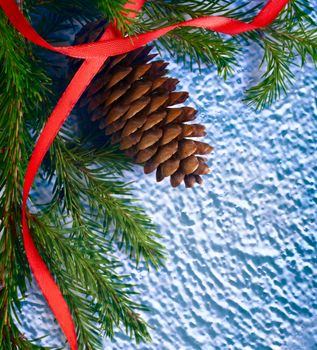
column 241, row 249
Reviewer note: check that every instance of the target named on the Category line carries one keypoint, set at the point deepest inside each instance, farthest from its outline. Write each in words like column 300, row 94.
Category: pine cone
column 131, row 97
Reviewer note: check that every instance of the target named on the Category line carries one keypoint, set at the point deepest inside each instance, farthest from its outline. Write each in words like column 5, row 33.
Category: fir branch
column 297, row 12
column 294, row 31
column 114, row 11
column 201, row 47
column 194, row 45
column 132, row 229
column 18, row 103
column 290, row 39
column 81, row 179
column 156, row 11
column 277, row 76
column 85, row 271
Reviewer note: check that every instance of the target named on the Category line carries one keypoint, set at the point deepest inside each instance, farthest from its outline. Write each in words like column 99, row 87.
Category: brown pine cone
column 131, row 97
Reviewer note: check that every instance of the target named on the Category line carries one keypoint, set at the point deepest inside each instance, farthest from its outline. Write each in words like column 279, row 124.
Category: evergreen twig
column 85, row 176
column 290, row 41
column 291, row 36
column 85, row 270
column 17, row 102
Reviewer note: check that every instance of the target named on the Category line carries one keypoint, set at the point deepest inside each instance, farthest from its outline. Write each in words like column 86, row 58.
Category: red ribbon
column 95, row 54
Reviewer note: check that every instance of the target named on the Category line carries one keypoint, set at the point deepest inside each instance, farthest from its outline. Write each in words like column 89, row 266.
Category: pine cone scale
column 153, row 119
column 136, row 107
column 118, row 76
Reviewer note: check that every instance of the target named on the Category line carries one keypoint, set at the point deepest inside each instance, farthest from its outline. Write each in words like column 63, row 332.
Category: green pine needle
column 294, row 32
column 88, row 176
column 85, row 269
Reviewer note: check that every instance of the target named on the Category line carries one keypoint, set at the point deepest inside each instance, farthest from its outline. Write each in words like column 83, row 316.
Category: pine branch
column 277, row 76
column 294, row 32
column 132, row 229
column 157, row 11
column 17, row 100
column 193, row 45
column 82, row 179
column 289, row 41
column 201, row 47
column 85, row 271
column 297, row 12
column 115, row 12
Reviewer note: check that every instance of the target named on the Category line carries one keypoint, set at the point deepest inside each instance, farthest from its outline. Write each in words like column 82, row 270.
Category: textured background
column 241, row 268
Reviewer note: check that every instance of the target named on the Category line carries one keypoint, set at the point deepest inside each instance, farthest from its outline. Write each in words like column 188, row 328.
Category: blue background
column 241, row 268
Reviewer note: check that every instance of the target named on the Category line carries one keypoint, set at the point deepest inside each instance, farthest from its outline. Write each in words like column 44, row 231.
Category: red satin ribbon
column 95, row 54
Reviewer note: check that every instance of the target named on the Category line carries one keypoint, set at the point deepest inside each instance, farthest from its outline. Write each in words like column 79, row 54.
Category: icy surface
column 241, row 268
